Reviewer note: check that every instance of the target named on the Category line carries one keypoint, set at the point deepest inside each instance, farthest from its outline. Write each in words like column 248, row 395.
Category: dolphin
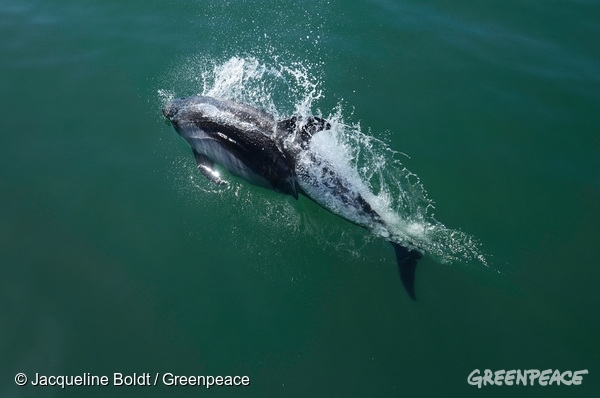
column 250, row 143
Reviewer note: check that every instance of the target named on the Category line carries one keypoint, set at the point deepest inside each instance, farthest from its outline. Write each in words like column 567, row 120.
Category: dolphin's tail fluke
column 407, row 265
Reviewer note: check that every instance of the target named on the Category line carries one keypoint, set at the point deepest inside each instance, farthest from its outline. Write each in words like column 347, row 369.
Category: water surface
column 116, row 255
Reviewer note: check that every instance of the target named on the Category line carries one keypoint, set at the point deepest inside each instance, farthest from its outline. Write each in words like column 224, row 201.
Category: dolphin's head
column 208, row 112
column 175, row 105
column 199, row 110
column 170, row 109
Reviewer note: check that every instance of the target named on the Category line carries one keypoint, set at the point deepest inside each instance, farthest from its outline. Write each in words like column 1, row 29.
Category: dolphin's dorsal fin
column 305, row 127
column 407, row 265
column 206, row 167
column 287, row 125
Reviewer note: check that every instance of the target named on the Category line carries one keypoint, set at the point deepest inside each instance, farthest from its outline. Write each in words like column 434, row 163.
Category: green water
column 116, row 256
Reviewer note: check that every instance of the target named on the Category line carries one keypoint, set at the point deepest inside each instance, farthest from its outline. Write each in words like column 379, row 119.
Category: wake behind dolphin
column 248, row 142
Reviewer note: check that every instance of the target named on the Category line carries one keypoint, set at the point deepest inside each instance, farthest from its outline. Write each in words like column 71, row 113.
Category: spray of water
column 368, row 163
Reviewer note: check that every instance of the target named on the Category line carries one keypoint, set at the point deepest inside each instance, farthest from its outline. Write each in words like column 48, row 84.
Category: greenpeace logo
column 530, row 377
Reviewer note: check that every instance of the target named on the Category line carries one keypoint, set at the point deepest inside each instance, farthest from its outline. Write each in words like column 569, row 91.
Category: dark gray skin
column 251, row 144
column 235, row 136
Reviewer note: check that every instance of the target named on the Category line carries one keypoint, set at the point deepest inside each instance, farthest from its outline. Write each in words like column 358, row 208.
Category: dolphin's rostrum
column 251, row 144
